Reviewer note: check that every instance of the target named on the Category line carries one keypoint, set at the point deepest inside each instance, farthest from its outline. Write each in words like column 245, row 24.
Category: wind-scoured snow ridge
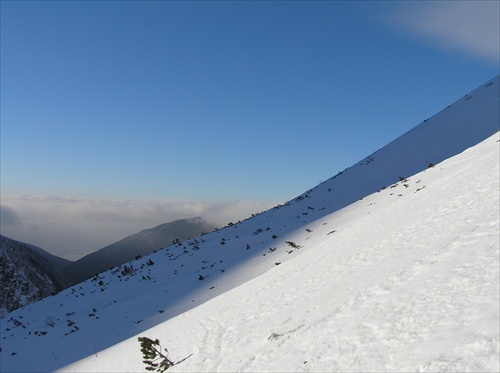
column 405, row 279
column 461, row 125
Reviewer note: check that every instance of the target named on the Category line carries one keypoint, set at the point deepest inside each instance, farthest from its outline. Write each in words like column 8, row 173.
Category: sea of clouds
column 72, row 228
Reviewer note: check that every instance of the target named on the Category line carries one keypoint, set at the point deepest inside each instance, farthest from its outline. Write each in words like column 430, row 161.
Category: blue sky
column 223, row 101
column 210, row 100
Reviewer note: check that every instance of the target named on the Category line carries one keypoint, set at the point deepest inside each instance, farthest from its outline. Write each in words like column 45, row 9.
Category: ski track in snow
column 404, row 279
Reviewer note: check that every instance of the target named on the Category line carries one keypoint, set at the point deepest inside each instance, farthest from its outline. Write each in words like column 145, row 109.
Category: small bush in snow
column 153, row 356
column 293, row 244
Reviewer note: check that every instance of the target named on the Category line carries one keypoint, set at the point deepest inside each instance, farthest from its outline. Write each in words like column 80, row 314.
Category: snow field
column 361, row 273
column 406, row 283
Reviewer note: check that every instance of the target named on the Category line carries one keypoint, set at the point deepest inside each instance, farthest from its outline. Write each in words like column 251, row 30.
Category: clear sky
column 223, row 101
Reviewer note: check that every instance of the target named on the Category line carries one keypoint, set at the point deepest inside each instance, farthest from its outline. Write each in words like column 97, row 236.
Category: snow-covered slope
column 404, row 279
column 409, row 281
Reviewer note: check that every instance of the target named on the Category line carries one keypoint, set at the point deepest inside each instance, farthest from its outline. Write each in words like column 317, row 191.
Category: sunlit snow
column 391, row 265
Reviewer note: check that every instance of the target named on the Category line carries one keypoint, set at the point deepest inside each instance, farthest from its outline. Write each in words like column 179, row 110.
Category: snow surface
column 362, row 273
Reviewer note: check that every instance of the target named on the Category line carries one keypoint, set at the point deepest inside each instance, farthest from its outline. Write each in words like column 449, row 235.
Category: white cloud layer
column 72, row 228
column 470, row 26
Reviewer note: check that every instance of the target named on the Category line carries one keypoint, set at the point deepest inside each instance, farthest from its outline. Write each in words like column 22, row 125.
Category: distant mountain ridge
column 26, row 276
column 56, row 261
column 139, row 244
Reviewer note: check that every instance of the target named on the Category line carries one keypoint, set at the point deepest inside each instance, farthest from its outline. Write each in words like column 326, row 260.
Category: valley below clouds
column 72, row 228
